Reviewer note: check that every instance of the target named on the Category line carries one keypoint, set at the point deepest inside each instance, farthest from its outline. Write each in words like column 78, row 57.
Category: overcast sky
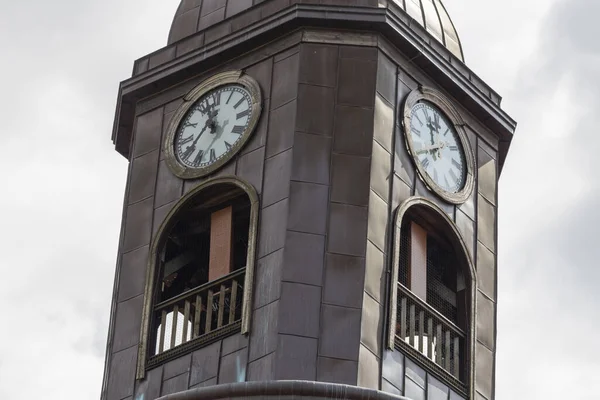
column 63, row 183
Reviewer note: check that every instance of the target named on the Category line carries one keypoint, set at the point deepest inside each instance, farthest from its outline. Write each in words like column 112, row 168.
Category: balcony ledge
column 304, row 390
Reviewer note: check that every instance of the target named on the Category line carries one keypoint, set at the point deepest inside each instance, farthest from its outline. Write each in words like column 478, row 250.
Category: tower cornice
column 390, row 29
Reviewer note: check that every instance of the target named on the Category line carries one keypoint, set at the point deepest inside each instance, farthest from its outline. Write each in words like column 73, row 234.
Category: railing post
column 447, row 364
column 186, row 321
column 430, row 335
column 209, row 310
column 411, row 326
column 233, row 301
column 438, row 345
column 403, row 318
column 222, row 292
column 163, row 328
column 197, row 315
column 456, row 357
column 175, row 312
column 421, row 330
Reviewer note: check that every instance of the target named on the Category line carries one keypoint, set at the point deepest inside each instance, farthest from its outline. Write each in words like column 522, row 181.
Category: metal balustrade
column 200, row 312
column 421, row 328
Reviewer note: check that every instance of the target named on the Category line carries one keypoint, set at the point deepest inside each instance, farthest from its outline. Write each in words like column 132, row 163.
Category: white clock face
column 437, row 147
column 213, row 126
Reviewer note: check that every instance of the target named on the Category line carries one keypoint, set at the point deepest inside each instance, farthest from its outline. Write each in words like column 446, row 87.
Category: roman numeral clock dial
column 213, row 124
column 435, row 142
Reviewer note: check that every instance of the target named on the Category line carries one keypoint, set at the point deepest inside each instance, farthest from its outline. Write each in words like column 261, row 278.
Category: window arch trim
column 462, row 252
column 157, row 241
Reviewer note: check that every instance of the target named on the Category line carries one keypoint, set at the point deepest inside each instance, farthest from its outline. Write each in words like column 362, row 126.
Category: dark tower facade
column 311, row 207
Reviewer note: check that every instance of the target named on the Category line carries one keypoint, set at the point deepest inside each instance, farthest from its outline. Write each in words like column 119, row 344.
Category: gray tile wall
column 153, row 190
column 380, row 195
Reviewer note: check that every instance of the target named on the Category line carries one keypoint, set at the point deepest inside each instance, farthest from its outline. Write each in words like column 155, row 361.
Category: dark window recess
column 187, row 251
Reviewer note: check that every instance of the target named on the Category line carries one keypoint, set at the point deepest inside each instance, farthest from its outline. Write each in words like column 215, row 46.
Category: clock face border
column 221, row 79
column 440, row 101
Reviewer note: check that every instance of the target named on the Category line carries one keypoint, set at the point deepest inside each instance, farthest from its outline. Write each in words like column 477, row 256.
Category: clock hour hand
column 219, row 131
column 427, row 149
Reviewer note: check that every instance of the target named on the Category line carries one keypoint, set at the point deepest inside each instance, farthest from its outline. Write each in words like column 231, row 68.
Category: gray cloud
column 549, row 227
column 63, row 185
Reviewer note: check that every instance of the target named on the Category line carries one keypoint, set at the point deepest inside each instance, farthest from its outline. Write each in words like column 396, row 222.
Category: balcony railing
column 200, row 313
column 421, row 328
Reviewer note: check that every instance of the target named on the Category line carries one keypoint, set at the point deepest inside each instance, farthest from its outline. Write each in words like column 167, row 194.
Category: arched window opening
column 201, row 261
column 432, row 296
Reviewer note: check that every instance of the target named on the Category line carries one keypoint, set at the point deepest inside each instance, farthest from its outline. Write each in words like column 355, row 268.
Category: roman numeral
column 238, row 129
column 239, row 103
column 188, row 152
column 415, row 131
column 216, row 98
column 186, row 140
column 446, row 181
column 198, row 159
column 425, row 163
column 446, row 132
column 230, row 96
column 188, row 124
column 456, row 164
column 435, row 175
column 453, row 176
column 418, row 119
column 453, row 148
column 213, row 155
column 243, row 113
column 204, row 107
column 228, row 145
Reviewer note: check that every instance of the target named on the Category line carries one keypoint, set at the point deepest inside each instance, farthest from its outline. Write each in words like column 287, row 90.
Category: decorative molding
column 283, row 27
column 158, row 241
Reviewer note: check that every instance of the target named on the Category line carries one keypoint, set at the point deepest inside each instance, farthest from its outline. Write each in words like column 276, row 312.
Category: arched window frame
column 158, row 241
column 462, row 252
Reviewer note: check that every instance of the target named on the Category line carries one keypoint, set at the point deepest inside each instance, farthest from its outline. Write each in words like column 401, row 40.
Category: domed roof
column 432, row 15
column 192, row 16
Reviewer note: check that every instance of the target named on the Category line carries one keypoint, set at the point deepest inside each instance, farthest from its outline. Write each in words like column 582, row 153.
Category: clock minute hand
column 190, row 149
column 430, row 126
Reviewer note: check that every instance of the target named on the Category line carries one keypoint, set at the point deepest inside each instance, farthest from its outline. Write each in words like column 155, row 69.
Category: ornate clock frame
column 439, row 100
column 218, row 80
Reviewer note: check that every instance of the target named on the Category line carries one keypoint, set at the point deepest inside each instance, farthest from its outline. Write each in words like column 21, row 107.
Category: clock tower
column 311, row 207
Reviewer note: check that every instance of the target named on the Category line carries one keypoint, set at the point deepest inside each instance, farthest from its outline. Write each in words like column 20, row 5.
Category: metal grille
column 403, row 268
column 441, row 273
column 441, row 279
